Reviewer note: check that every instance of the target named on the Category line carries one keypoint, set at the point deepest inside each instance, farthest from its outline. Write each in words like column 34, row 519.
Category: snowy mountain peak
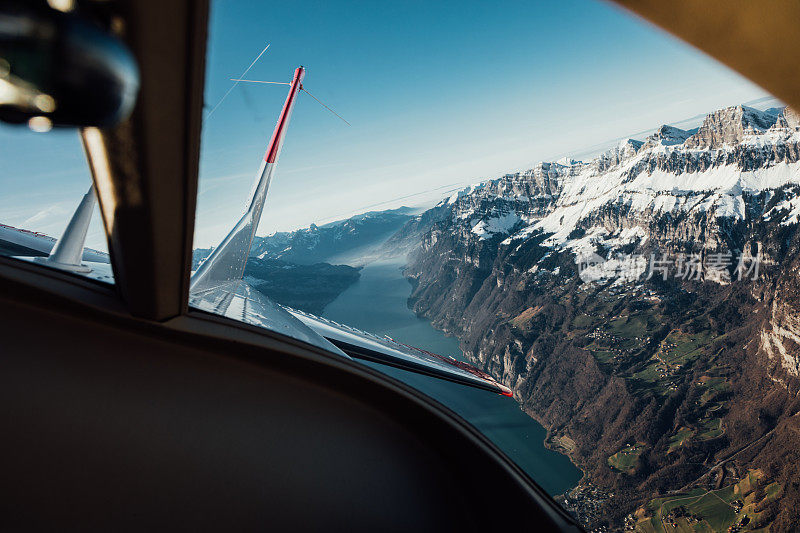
column 567, row 162
column 788, row 121
column 618, row 198
column 730, row 126
column 626, row 149
column 668, row 136
column 463, row 192
column 628, row 144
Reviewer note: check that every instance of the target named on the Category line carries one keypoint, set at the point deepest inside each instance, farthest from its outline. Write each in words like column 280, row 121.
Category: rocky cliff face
column 644, row 306
column 730, row 126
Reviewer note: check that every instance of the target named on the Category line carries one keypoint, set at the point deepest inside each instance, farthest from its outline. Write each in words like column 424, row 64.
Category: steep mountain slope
column 645, row 307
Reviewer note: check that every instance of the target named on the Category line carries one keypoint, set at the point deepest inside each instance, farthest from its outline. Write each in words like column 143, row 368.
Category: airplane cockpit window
column 557, row 203
column 48, row 210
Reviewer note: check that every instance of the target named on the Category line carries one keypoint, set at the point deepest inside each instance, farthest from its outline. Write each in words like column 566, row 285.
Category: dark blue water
column 377, row 302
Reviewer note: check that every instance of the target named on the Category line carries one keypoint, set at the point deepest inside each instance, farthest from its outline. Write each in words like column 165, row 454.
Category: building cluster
column 586, row 502
column 680, row 512
column 609, row 342
column 741, row 523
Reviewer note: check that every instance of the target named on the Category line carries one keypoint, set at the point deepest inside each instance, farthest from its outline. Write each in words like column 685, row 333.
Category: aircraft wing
column 21, row 242
column 217, row 286
column 385, row 350
column 239, row 301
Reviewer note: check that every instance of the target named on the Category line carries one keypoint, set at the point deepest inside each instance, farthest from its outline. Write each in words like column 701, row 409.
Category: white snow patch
column 792, row 206
column 464, row 192
column 485, row 229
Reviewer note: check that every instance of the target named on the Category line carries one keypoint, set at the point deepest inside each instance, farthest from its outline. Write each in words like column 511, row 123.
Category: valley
column 644, row 307
column 309, row 268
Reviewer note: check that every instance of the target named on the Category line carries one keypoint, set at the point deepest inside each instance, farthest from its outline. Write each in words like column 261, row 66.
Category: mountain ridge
column 611, row 361
column 654, row 385
column 349, row 241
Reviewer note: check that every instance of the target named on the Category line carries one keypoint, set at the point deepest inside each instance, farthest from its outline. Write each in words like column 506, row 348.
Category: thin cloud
column 45, row 216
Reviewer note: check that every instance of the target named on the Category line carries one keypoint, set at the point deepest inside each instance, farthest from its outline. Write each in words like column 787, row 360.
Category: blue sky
column 439, row 95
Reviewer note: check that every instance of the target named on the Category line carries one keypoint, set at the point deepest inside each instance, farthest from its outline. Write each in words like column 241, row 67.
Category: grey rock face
column 514, row 298
column 668, row 136
column 789, row 119
column 729, row 126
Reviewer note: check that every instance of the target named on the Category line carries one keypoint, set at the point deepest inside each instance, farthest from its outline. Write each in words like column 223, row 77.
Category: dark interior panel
column 107, row 426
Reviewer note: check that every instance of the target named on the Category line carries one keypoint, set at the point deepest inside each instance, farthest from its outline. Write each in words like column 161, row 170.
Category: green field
column 711, row 429
column 713, row 507
column 603, row 356
column 582, row 322
column 675, row 351
column 631, row 326
column 650, row 373
column 679, row 438
column 655, row 376
column 622, row 336
column 773, row 491
column 714, row 387
column 627, row 458
column 678, row 348
column 711, row 511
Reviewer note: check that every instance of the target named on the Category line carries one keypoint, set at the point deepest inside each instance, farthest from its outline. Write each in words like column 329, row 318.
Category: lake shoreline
column 380, row 302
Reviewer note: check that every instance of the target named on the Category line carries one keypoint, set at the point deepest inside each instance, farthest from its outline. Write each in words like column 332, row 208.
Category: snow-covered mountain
column 571, row 283
column 352, row 241
column 308, row 268
column 346, row 241
column 733, row 164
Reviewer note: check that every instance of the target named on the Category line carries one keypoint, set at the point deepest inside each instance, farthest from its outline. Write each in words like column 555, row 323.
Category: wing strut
column 218, row 283
column 68, row 250
column 226, row 263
